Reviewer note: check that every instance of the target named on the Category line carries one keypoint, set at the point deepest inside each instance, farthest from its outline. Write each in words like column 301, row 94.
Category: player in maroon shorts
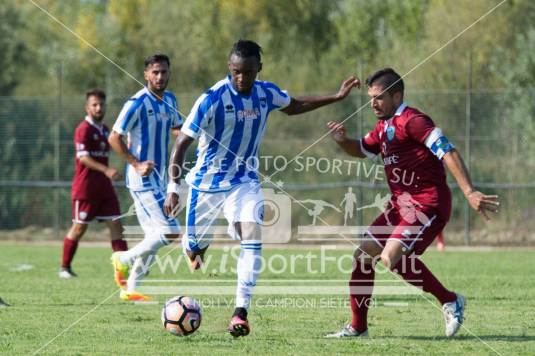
column 93, row 195
column 413, row 151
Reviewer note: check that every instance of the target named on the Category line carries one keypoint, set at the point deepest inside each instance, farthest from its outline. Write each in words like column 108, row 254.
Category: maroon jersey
column 412, row 169
column 91, row 139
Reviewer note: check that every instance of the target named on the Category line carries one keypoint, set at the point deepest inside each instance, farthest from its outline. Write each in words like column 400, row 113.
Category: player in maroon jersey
column 93, row 195
column 413, row 151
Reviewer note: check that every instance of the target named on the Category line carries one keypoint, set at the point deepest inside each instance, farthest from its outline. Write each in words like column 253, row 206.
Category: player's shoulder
column 413, row 116
column 214, row 93
column 217, row 90
column 264, row 84
column 170, row 95
column 138, row 98
column 83, row 126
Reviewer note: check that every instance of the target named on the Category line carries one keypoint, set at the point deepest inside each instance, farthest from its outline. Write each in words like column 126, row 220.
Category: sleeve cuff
column 82, row 154
column 119, row 130
column 189, row 132
column 368, row 154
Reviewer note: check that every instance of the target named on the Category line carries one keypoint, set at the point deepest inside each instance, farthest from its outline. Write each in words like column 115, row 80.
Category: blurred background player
column 441, row 244
column 229, row 120
column 93, row 195
column 146, row 118
column 410, row 146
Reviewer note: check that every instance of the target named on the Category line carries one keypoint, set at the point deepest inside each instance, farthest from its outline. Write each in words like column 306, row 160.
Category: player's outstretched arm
column 304, row 104
column 90, row 163
column 351, row 146
column 116, row 142
column 478, row 201
column 171, row 204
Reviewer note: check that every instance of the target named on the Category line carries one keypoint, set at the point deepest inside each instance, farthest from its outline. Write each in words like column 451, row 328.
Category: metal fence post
column 467, row 143
column 57, row 141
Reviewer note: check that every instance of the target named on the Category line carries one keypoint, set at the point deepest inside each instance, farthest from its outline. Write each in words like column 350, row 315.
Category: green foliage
column 310, row 46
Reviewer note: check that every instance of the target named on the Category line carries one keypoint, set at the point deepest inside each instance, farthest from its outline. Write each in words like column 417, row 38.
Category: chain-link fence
column 37, row 156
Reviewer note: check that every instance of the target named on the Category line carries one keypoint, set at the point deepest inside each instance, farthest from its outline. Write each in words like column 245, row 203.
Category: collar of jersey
column 400, row 109
column 149, row 93
column 234, row 92
column 93, row 123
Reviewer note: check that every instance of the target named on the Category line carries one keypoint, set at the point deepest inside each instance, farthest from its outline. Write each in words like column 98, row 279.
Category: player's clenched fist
column 144, row 168
column 171, row 204
column 337, row 130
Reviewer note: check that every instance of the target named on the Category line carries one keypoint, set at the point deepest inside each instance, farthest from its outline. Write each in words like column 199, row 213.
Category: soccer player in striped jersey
column 230, row 120
column 147, row 118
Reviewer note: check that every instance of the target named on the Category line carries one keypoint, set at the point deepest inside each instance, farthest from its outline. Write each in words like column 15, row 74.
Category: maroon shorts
column 415, row 229
column 83, row 211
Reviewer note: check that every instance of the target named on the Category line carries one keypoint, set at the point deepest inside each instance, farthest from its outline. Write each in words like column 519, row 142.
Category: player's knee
column 77, row 231
column 387, row 261
column 249, row 231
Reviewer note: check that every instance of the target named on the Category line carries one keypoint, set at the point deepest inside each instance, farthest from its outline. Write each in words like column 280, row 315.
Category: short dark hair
column 246, row 48
column 389, row 80
column 99, row 93
column 157, row 58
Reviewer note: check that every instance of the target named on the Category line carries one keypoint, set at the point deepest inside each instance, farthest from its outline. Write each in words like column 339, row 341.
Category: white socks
column 249, row 264
column 148, row 246
column 138, row 271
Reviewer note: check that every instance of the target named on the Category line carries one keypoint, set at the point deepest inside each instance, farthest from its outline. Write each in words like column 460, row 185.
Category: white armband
column 438, row 143
column 173, row 188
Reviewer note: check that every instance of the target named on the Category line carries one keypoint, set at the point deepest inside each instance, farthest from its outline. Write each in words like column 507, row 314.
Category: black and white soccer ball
column 181, row 316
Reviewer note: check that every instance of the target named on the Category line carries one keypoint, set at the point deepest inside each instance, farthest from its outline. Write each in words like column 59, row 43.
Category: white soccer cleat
column 454, row 314
column 66, row 273
column 347, row 331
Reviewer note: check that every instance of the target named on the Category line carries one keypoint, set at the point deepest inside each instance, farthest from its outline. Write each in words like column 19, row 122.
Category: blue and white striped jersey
column 147, row 121
column 230, row 127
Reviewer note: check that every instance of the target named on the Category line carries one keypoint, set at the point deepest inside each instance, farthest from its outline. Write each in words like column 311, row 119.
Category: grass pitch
column 500, row 316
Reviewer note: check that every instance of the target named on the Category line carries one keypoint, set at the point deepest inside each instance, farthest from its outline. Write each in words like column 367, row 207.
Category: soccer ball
column 181, row 316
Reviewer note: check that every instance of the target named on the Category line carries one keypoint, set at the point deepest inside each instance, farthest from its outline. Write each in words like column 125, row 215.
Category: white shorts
column 150, row 213
column 242, row 203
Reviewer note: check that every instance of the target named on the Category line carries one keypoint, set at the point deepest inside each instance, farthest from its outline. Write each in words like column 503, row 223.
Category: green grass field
column 499, row 288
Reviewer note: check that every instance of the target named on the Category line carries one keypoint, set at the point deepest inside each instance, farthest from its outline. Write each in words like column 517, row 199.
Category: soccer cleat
column 238, row 327
column 134, row 296
column 120, row 270
column 66, row 273
column 195, row 260
column 454, row 314
column 347, row 331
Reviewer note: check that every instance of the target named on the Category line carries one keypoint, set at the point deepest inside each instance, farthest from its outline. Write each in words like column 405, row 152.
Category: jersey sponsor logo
column 99, row 153
column 95, row 136
column 263, row 102
column 390, row 132
column 229, row 108
column 390, row 160
column 248, row 114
